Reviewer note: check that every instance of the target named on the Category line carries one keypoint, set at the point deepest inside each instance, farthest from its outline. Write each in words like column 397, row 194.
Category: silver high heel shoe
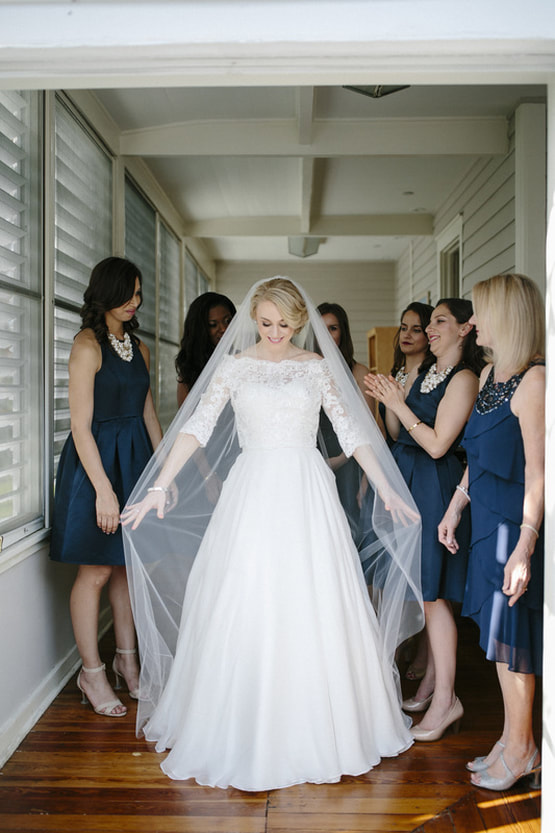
column 134, row 693
column 105, row 709
column 488, row 782
column 479, row 764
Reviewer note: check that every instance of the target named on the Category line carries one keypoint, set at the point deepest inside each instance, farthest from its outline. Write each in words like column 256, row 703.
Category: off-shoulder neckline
column 281, row 362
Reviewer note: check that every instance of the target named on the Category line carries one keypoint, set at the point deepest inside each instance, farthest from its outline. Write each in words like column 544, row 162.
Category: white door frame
column 57, row 44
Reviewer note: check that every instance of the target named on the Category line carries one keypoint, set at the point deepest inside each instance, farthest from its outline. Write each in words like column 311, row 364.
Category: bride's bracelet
column 464, row 490
column 158, row 489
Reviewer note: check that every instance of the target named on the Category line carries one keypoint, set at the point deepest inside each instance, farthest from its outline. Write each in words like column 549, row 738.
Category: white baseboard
column 15, row 730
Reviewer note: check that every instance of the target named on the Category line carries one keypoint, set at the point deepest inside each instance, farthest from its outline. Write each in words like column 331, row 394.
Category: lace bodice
column 276, row 404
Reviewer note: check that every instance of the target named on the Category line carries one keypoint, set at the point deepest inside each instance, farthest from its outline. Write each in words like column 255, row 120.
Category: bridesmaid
column 206, row 321
column 411, row 355
column 504, row 440
column 411, row 350
column 348, row 474
column 114, row 429
column 427, row 427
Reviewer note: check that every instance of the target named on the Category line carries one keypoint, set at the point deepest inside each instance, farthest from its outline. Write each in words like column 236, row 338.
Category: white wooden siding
column 485, row 197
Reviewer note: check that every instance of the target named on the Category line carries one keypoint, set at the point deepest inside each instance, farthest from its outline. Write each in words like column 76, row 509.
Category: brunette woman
column 427, row 425
column 205, row 323
column 114, row 429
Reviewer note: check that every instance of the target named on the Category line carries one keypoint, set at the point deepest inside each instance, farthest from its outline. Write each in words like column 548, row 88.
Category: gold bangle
column 414, row 426
column 533, row 528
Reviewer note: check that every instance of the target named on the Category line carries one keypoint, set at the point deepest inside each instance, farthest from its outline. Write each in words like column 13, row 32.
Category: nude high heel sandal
column 105, row 709
column 134, row 693
column 453, row 718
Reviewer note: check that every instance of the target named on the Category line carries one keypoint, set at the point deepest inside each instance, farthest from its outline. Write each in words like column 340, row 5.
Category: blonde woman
column 281, row 671
column 504, row 485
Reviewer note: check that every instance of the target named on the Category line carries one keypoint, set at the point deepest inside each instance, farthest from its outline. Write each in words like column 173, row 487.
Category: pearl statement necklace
column 434, row 377
column 124, row 348
column 401, row 376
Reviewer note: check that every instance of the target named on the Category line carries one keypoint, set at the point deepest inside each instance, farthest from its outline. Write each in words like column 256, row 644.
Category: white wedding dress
column 279, row 676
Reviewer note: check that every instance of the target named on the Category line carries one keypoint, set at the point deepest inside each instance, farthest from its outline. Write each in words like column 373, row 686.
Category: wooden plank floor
column 79, row 772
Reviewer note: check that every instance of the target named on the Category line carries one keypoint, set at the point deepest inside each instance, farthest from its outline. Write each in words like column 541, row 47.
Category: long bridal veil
column 160, row 552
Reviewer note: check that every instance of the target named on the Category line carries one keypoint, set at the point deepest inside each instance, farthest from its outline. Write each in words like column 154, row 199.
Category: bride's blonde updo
column 287, row 298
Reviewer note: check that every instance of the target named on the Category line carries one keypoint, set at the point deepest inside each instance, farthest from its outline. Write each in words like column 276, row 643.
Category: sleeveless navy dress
column 118, row 427
column 493, row 442
column 431, row 483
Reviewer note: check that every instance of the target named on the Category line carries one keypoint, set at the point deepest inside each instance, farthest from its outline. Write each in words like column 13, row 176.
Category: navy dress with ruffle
column 120, row 433
column 495, row 450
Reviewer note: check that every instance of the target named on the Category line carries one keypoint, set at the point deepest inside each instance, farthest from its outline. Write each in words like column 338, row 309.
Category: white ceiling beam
column 366, row 225
column 307, row 185
column 305, row 114
column 383, row 137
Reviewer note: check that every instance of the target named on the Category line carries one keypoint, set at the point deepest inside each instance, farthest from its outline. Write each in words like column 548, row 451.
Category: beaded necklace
column 401, row 376
column 124, row 349
column 494, row 394
column 434, row 377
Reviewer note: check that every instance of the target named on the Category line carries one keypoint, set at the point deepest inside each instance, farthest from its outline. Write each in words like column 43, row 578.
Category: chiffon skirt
column 279, row 676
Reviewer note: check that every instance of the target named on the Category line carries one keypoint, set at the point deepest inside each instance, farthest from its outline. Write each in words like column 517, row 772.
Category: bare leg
column 84, row 604
column 124, row 628
column 419, row 664
column 442, row 659
column 518, row 699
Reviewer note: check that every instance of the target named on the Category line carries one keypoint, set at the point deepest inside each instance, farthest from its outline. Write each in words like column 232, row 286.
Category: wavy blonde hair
column 511, row 308
column 284, row 294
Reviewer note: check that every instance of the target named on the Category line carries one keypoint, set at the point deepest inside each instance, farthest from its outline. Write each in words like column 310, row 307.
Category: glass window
column 21, row 354
column 170, row 323
column 83, row 236
column 140, row 247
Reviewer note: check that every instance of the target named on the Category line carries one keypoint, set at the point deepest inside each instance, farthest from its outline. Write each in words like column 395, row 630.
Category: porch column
column 548, row 748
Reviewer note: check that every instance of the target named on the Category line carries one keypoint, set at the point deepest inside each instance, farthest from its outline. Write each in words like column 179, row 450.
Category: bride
column 266, row 659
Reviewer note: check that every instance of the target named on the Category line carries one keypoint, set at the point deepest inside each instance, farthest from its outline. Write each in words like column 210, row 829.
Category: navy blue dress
column 432, row 483
column 493, row 442
column 118, row 427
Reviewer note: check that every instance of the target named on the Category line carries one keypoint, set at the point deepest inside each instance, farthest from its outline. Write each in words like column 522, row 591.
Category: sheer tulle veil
column 160, row 552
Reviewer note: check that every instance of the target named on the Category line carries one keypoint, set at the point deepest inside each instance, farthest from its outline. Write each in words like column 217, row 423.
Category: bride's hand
column 400, row 511
column 135, row 512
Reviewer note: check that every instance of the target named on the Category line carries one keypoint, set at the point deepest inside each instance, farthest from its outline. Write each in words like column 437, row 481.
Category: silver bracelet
column 159, row 489
column 464, row 490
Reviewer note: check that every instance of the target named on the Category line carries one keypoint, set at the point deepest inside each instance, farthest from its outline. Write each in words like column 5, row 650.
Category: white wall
column 365, row 290
column 37, row 648
column 493, row 220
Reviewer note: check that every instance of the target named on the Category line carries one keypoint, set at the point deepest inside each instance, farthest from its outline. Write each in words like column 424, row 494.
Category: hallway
column 76, row 771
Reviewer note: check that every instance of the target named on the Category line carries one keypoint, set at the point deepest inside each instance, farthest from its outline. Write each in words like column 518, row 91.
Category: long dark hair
column 473, row 355
column 196, row 347
column 346, row 341
column 424, row 312
column 111, row 284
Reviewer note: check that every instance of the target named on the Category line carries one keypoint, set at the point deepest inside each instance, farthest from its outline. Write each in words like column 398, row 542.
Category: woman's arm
column 452, row 413
column 528, row 404
column 149, row 412
column 182, row 393
column 84, row 363
column 452, row 518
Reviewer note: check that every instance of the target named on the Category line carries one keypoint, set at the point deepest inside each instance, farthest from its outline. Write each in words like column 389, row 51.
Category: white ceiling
column 248, row 167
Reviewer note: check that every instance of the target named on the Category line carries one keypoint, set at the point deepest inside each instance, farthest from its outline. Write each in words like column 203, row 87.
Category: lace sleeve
column 203, row 420
column 349, row 432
